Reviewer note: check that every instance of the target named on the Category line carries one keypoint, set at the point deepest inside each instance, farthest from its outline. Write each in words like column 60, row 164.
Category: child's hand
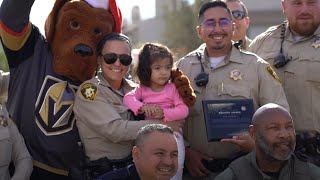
column 158, row 113
column 152, row 111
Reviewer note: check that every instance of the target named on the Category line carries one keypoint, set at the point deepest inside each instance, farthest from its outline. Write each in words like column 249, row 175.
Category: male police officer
column 273, row 131
column 155, row 156
column 232, row 74
column 241, row 19
column 294, row 49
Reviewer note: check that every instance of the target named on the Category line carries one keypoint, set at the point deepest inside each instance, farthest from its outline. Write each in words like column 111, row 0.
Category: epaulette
column 199, row 49
column 273, row 28
column 244, row 51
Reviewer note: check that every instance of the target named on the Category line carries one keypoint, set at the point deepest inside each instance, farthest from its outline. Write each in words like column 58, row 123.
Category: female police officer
column 106, row 126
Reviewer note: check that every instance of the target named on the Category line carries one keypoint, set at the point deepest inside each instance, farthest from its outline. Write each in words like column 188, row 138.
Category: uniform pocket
column 234, row 91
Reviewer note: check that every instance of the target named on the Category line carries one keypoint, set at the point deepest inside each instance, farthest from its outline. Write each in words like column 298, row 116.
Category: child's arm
column 133, row 100
column 179, row 111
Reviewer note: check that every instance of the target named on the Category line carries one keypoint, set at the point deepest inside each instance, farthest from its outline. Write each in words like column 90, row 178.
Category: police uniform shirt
column 240, row 75
column 300, row 77
column 105, row 124
column 13, row 149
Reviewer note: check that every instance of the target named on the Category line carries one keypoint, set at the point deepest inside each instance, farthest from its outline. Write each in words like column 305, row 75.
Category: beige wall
column 263, row 14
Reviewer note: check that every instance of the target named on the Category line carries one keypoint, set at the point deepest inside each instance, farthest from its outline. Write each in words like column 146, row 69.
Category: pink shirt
column 168, row 99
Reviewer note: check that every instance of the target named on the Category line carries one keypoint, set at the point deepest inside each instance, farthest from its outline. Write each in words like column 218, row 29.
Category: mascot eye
column 74, row 24
column 97, row 31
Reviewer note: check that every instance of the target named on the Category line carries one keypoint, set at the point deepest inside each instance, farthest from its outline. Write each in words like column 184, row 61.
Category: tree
column 180, row 31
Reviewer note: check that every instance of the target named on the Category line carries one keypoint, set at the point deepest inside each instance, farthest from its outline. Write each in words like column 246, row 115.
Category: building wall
column 263, row 14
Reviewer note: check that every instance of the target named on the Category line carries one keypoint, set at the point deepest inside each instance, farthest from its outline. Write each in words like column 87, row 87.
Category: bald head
column 267, row 112
column 273, row 131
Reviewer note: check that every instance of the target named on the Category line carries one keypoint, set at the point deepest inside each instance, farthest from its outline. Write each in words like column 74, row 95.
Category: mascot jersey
column 39, row 100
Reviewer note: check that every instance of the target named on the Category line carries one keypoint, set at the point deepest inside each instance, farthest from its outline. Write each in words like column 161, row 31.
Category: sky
column 41, row 9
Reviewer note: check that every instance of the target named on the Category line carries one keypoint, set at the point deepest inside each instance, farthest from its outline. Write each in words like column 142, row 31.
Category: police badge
column 236, row 74
column 316, row 44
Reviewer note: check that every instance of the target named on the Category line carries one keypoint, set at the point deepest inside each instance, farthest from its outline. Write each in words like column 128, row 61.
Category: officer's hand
column 194, row 163
column 244, row 142
column 175, row 125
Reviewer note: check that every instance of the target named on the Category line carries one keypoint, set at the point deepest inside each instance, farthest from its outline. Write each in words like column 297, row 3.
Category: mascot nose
column 83, row 50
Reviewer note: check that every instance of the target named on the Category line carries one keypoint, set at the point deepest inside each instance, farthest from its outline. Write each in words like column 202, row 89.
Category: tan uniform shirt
column 300, row 76
column 246, row 44
column 255, row 83
column 105, row 125
column 13, row 149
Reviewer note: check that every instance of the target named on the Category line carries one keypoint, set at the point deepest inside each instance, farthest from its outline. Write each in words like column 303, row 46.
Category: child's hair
column 149, row 54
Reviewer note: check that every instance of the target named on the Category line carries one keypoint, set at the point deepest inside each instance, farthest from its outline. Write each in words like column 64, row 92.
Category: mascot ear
column 117, row 16
column 52, row 18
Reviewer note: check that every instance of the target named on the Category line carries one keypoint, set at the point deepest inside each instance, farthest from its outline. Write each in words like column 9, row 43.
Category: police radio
column 281, row 60
column 202, row 78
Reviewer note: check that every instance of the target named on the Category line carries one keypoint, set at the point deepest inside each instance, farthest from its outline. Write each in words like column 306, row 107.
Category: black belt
column 103, row 165
column 216, row 165
column 219, row 165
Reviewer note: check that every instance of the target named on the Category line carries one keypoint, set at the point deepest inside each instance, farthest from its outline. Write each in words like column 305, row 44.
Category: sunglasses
column 111, row 58
column 238, row 15
column 210, row 23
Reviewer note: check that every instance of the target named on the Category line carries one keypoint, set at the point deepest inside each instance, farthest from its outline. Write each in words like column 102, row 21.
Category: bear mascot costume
column 45, row 74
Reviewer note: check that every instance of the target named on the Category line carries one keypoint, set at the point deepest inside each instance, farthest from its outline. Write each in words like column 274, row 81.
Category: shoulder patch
column 273, row 73
column 89, row 91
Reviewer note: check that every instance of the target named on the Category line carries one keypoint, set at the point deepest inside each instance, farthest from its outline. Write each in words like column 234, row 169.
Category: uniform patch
column 273, row 73
column 316, row 44
column 3, row 122
column 89, row 91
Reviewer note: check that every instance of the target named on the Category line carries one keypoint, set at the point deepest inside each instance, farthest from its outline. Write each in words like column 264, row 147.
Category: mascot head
column 74, row 28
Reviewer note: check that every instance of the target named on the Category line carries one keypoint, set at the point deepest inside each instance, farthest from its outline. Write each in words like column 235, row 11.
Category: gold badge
column 236, row 74
column 89, row 91
column 273, row 73
column 3, row 122
column 316, row 44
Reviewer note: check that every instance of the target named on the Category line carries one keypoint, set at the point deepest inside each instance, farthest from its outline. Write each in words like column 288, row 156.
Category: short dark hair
column 110, row 37
column 149, row 54
column 145, row 131
column 244, row 8
column 212, row 4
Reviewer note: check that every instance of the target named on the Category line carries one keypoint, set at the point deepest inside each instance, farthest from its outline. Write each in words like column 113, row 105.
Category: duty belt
column 219, row 165
column 103, row 165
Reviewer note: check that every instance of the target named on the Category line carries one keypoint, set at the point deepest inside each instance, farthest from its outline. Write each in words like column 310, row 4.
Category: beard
column 270, row 150
column 304, row 29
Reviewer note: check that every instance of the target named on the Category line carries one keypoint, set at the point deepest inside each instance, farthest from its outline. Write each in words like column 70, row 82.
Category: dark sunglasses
column 111, row 58
column 238, row 15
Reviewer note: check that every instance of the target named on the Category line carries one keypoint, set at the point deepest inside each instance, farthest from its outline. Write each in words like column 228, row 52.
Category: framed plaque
column 226, row 118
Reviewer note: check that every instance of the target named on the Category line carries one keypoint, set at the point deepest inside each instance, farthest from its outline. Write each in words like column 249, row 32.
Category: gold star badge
column 236, row 74
column 3, row 122
column 89, row 91
column 316, row 44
